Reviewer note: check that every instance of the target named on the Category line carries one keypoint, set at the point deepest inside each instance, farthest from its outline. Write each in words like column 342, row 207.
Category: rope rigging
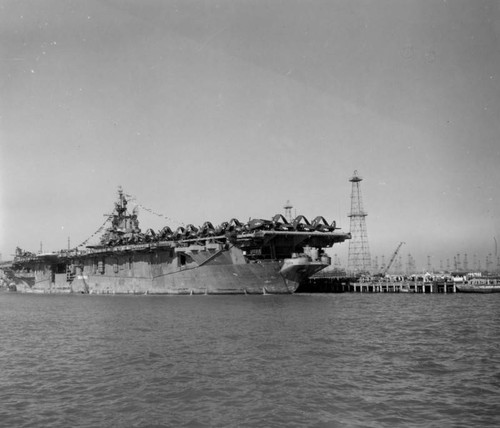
column 96, row 232
column 110, row 216
column 133, row 198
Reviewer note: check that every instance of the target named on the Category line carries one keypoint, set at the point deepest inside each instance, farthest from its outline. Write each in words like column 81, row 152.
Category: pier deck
column 352, row 285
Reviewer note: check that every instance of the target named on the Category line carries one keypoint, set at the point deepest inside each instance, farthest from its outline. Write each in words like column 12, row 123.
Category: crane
column 386, row 269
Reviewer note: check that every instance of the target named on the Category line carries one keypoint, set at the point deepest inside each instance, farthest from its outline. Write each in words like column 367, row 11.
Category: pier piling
column 336, row 284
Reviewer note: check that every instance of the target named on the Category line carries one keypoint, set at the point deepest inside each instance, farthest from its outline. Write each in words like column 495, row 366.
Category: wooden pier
column 403, row 287
column 325, row 284
column 317, row 284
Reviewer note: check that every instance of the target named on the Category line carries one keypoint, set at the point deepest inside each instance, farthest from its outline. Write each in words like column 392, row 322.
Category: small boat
column 480, row 285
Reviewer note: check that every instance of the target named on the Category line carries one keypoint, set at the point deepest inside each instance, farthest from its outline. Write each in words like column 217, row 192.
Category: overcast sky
column 208, row 110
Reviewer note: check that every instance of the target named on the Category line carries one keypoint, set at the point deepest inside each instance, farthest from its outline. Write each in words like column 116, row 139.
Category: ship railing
column 136, row 247
column 307, row 234
column 153, row 245
column 202, row 239
column 296, row 232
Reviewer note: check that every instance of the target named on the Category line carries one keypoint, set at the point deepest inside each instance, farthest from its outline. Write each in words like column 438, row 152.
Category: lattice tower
column 399, row 268
column 288, row 211
column 359, row 260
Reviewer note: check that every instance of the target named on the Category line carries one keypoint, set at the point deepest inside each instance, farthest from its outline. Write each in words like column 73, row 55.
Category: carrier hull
column 259, row 257
column 237, row 279
column 166, row 270
column 129, row 273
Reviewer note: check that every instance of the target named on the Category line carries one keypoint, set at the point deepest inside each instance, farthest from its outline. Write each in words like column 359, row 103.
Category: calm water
column 338, row 360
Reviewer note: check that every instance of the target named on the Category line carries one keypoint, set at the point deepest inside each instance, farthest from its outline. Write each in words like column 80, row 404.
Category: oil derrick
column 411, row 266
column 288, row 211
column 382, row 266
column 359, row 260
column 399, row 266
column 336, row 262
